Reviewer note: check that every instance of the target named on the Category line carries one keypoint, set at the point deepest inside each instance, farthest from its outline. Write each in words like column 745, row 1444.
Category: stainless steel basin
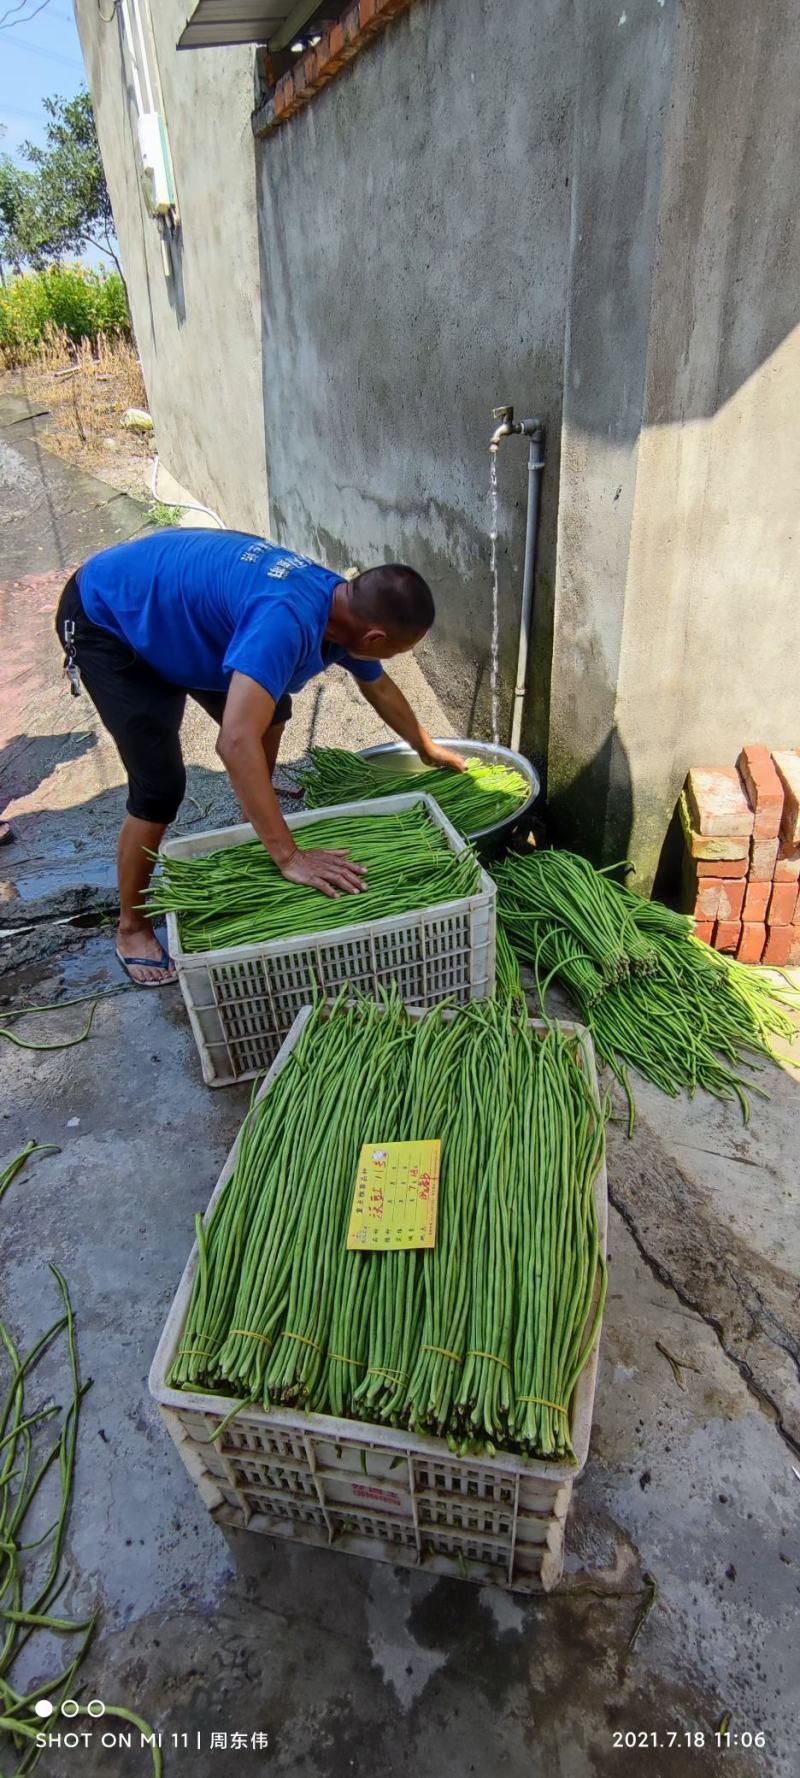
column 399, row 757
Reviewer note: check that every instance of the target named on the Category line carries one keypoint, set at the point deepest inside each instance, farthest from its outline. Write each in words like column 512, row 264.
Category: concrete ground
column 694, row 1474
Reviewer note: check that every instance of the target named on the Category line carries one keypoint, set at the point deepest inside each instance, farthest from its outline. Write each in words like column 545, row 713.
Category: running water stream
column 494, row 680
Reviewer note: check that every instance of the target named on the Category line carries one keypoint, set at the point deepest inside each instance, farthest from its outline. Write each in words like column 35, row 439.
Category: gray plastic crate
column 376, row 1491
column 242, row 1001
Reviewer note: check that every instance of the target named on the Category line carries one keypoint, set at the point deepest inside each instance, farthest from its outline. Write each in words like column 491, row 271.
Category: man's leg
column 143, row 715
column 135, row 934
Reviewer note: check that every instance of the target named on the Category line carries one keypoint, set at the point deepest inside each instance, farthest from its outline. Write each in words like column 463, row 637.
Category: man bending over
column 238, row 625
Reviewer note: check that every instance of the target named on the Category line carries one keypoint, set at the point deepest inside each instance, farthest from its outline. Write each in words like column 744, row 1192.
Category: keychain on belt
column 71, row 667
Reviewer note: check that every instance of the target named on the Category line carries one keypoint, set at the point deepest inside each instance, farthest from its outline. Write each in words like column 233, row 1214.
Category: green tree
column 15, row 185
column 65, row 206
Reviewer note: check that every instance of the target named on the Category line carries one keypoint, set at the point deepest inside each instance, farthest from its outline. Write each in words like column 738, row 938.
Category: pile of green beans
column 479, row 1340
column 560, row 890
column 688, row 1019
column 237, row 895
column 477, row 798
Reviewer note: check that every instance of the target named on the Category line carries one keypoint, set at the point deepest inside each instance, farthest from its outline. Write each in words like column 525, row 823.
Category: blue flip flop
column 162, row 962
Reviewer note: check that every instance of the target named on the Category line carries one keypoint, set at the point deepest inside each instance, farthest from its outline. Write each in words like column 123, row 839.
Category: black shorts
column 141, row 710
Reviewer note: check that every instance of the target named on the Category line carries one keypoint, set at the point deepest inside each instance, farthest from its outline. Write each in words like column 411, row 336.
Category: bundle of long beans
column 237, row 895
column 480, row 1339
column 477, row 798
column 661, row 1001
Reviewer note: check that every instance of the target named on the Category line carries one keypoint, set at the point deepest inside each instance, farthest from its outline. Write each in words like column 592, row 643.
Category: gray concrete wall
column 415, row 225
column 199, row 334
column 676, row 609
column 712, row 613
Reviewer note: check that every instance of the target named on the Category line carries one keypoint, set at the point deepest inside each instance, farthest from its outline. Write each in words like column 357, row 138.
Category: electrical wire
column 26, row 18
column 183, row 505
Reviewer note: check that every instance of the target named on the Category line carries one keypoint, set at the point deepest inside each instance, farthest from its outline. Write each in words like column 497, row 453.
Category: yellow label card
column 396, row 1197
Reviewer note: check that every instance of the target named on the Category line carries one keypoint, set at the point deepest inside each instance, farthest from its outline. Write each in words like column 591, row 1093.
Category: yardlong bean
column 655, row 997
column 475, row 1339
column 236, row 895
column 479, row 797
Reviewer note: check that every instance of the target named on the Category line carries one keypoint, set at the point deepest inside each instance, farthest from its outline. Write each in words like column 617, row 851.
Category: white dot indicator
column 44, row 1707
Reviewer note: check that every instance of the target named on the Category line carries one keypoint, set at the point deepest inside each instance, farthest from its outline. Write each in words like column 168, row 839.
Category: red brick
column 764, row 791
column 731, row 898
column 706, row 904
column 367, row 15
column 351, row 26
column 787, row 766
column 717, row 801
column 711, row 846
column 722, row 867
column 751, row 942
column 326, row 69
column 300, row 79
column 312, row 70
column 778, row 946
column 283, row 98
column 727, row 934
column 794, row 947
column 782, row 904
column 763, row 856
column 787, row 866
column 756, row 900
column 704, row 929
column 335, row 47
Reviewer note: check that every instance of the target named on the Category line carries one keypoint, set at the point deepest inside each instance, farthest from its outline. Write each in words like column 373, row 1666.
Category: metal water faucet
column 508, row 425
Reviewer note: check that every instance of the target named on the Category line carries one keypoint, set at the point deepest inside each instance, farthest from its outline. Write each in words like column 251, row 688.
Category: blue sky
column 39, row 57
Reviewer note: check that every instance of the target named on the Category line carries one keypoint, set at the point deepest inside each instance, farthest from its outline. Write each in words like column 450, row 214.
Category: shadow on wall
column 594, row 812
column 173, row 245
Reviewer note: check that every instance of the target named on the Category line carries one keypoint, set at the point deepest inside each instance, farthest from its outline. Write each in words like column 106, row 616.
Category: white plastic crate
column 377, row 1491
column 242, row 1001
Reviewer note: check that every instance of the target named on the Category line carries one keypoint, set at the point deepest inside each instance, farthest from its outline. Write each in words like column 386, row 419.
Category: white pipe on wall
column 127, row 31
column 145, row 63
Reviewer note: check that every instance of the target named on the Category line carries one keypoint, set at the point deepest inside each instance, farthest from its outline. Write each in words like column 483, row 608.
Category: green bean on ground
column 480, row 1339
column 25, row 1465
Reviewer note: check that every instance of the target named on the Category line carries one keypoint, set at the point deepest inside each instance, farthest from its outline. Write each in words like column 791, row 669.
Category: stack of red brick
column 741, row 877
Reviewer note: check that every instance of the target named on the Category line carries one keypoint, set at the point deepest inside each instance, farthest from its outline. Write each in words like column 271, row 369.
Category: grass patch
column 161, row 513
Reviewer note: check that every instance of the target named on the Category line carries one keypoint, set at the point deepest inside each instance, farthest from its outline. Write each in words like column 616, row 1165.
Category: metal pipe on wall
column 535, row 467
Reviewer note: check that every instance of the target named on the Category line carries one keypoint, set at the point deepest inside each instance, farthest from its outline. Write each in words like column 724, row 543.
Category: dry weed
column 87, row 389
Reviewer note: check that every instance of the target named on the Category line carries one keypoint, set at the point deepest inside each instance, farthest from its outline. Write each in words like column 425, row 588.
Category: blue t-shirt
column 199, row 605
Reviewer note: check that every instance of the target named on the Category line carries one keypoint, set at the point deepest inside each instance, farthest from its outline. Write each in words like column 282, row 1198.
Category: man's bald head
column 387, row 611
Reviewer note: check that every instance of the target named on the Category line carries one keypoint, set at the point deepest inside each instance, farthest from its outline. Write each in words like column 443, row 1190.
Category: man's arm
column 394, row 708
column 248, row 713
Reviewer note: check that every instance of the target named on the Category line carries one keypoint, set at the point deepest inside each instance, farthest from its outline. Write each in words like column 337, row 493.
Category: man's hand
column 334, row 873
column 434, row 755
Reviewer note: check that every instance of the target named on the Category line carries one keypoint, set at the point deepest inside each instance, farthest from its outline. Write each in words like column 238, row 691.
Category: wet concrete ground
column 346, row 1665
